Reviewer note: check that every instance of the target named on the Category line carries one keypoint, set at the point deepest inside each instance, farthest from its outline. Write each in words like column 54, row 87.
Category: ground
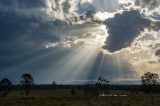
column 64, row 98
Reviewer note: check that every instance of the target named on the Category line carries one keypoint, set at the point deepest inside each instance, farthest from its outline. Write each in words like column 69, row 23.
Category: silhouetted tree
column 102, row 85
column 5, row 86
column 150, row 79
column 53, row 85
column 27, row 82
column 150, row 82
column 73, row 92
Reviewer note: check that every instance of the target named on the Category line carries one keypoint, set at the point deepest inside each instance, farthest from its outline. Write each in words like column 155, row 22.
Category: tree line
column 150, row 83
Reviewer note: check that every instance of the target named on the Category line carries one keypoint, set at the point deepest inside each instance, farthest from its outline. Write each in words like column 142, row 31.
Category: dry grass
column 64, row 98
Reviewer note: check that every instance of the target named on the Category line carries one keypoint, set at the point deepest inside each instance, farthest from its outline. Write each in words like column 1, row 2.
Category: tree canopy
column 150, row 79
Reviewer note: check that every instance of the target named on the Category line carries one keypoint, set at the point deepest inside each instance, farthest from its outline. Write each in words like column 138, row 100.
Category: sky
column 77, row 41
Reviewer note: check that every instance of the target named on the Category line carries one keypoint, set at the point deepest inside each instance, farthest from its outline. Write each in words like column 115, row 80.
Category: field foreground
column 64, row 98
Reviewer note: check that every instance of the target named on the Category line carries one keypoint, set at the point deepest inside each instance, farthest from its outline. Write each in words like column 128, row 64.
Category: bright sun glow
column 103, row 16
column 101, row 37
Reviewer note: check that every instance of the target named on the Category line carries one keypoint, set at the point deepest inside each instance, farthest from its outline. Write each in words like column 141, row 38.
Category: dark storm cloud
column 20, row 33
column 150, row 4
column 31, row 3
column 123, row 28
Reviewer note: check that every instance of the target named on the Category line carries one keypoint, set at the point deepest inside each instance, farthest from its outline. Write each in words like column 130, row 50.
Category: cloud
column 28, row 7
column 67, row 6
column 106, row 5
column 155, row 26
column 23, row 5
column 21, row 33
column 142, row 67
column 48, row 9
column 157, row 53
column 150, row 4
column 25, row 25
column 123, row 28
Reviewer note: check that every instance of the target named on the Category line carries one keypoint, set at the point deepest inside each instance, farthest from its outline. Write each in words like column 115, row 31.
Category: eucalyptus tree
column 27, row 82
column 150, row 82
column 5, row 85
column 102, row 85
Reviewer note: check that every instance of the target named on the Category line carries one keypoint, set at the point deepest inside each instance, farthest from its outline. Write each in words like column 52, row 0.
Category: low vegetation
column 66, row 98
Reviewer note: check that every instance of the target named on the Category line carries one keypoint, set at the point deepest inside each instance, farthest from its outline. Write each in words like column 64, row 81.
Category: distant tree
column 150, row 82
column 5, row 86
column 150, row 79
column 103, row 81
column 73, row 92
column 102, row 85
column 27, row 81
column 54, row 83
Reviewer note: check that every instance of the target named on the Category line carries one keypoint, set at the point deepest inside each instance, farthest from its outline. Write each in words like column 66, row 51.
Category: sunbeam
column 116, row 68
column 76, row 65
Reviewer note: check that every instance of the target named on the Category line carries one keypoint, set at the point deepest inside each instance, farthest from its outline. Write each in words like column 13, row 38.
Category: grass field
column 64, row 98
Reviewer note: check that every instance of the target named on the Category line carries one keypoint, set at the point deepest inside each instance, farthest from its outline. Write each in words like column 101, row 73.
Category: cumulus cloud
column 66, row 6
column 150, row 4
column 22, row 33
column 123, row 28
column 48, row 9
column 25, row 27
